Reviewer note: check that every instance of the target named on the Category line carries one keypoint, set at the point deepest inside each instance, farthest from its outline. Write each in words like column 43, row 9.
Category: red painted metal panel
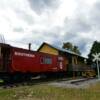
column 24, row 60
column 30, row 61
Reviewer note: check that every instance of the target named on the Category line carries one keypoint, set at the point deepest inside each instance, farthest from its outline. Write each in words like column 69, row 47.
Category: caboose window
column 48, row 60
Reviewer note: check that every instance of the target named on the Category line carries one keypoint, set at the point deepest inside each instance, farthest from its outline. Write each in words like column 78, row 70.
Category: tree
column 68, row 46
column 94, row 49
column 76, row 50
column 71, row 47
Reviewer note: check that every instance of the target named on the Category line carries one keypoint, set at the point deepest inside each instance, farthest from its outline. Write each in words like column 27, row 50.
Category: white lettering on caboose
column 24, row 54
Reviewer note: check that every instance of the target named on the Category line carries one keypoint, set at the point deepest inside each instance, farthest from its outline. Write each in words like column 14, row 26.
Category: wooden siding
column 74, row 60
column 48, row 49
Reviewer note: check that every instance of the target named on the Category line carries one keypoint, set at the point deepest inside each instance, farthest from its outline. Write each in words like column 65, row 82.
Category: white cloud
column 51, row 21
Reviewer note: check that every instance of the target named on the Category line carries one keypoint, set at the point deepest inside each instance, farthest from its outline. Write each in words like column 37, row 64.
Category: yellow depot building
column 73, row 58
column 75, row 62
column 46, row 48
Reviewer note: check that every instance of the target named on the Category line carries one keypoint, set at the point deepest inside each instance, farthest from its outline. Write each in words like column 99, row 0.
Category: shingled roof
column 59, row 49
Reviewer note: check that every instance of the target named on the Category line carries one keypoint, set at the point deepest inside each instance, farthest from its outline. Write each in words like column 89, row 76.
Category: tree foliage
column 71, row 47
column 68, row 46
column 94, row 49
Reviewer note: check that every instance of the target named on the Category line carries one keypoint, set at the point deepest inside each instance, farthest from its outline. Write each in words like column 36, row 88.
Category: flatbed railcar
column 17, row 63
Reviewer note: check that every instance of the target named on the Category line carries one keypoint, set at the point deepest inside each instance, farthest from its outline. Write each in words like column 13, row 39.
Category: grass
column 45, row 92
column 1, row 81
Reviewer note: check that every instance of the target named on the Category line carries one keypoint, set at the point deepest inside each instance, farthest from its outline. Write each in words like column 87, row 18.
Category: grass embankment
column 45, row 92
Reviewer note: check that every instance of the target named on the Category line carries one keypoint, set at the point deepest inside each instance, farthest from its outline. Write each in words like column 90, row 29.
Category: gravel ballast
column 71, row 84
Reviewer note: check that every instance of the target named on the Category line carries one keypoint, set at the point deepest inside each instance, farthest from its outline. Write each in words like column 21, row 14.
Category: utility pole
column 98, row 68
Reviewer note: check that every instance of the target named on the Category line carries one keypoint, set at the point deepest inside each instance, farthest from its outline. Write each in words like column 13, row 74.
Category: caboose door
column 5, row 59
column 60, row 63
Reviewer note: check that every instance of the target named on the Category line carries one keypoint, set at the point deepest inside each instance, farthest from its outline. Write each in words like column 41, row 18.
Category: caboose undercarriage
column 24, row 77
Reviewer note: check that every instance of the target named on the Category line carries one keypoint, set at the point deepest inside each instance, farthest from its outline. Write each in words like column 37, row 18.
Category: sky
column 51, row 21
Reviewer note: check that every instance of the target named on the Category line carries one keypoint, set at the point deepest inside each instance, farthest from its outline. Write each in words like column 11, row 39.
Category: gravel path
column 68, row 84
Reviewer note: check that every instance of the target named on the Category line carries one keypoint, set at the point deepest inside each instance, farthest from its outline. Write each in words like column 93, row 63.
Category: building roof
column 59, row 49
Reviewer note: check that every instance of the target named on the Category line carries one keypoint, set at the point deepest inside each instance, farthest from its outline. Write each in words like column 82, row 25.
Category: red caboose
column 17, row 60
column 35, row 62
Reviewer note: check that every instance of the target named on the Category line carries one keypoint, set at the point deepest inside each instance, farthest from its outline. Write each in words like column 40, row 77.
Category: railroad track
column 78, row 82
column 43, row 81
column 34, row 81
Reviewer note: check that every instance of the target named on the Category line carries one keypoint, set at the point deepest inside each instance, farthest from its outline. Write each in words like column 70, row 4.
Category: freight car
column 17, row 63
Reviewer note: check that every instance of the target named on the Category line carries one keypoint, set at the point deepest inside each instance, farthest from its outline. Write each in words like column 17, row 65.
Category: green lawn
column 45, row 92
